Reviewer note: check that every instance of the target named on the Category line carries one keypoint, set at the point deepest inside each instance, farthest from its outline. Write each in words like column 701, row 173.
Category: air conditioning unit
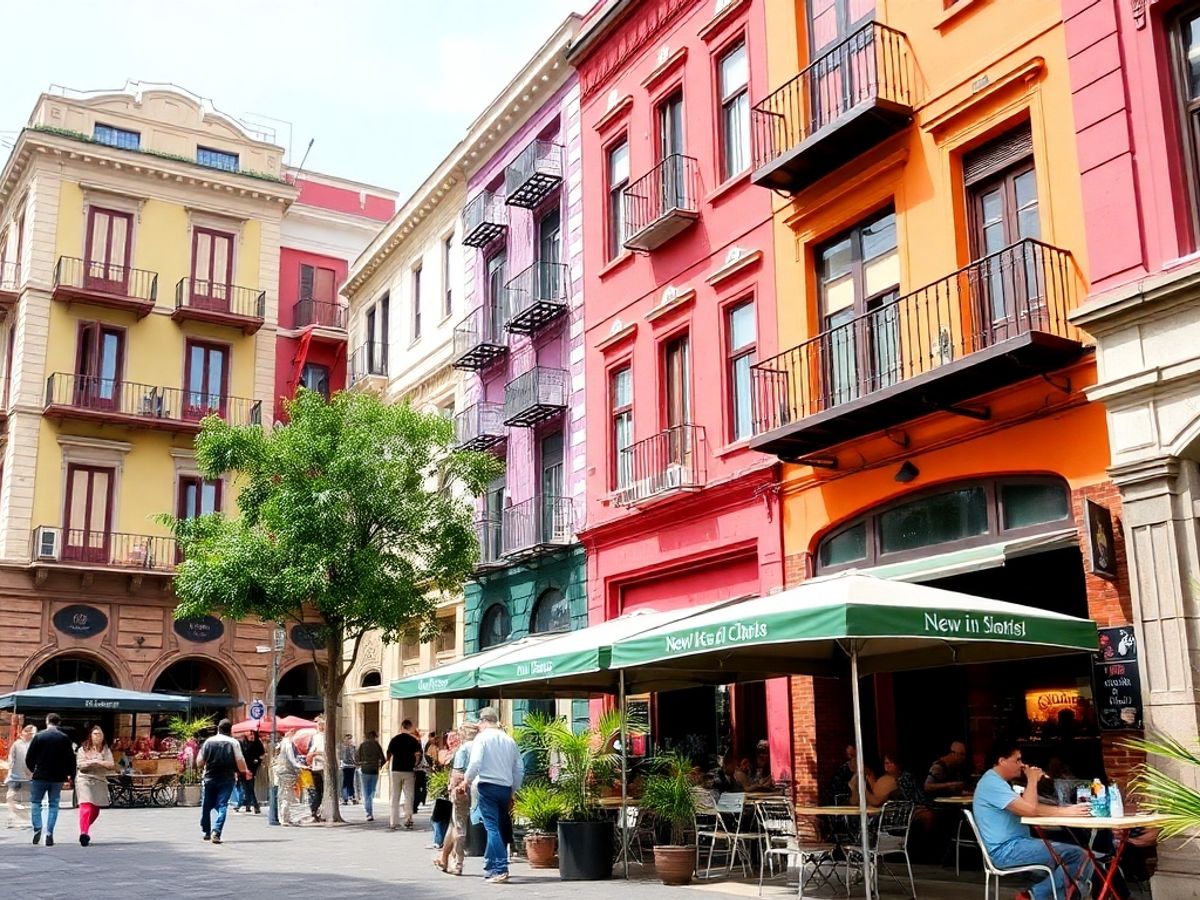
column 47, row 542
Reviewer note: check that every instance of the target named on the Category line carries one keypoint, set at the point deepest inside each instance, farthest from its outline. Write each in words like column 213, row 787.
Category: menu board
column 1118, row 681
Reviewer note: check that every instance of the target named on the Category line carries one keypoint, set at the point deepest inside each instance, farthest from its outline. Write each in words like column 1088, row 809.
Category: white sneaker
column 502, row 878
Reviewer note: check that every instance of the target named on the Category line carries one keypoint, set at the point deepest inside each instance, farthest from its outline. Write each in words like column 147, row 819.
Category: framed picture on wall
column 1101, row 540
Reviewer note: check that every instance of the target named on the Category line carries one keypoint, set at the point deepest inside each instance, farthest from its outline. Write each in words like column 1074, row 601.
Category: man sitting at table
column 998, row 811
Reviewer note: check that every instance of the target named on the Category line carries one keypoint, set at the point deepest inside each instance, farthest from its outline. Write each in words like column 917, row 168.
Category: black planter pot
column 442, row 810
column 476, row 840
column 585, row 851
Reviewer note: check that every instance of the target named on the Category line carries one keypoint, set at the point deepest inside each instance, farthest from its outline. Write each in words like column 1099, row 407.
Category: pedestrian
column 51, row 761
column 495, row 771
column 221, row 756
column 315, row 759
column 455, row 842
column 370, row 757
column 346, row 754
column 253, row 752
column 404, row 753
column 17, row 780
column 93, row 764
column 286, row 765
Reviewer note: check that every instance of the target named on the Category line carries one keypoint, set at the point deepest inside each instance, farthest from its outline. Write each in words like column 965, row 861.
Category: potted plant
column 669, row 799
column 1170, row 794
column 540, row 805
column 183, row 730
column 583, row 762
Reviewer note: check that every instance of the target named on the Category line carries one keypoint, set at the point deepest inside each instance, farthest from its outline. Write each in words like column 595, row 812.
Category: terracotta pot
column 675, row 865
column 541, row 850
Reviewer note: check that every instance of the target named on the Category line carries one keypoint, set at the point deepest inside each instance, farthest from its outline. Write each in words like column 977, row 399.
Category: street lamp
column 278, row 636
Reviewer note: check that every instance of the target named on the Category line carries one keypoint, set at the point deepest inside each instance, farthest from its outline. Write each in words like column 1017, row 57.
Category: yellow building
column 139, row 255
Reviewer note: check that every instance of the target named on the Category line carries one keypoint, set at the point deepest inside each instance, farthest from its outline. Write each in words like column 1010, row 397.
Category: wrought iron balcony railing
column 319, row 313
column 539, row 523
column 484, row 219
column 662, row 203
column 105, row 284
column 142, row 405
column 855, row 95
column 479, row 338
column 479, row 426
column 1026, row 289
column 488, row 531
column 537, row 170
column 535, row 396
column 369, row 360
column 222, row 304
column 671, row 461
column 84, row 546
column 536, row 297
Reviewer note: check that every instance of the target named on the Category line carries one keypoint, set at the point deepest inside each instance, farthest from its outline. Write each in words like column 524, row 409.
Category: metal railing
column 145, row 402
column 105, row 278
column 10, row 275
column 672, row 186
column 675, row 459
column 1026, row 287
column 481, row 331
column 144, row 552
column 530, row 177
column 369, row 359
column 488, row 533
column 229, row 299
column 484, row 219
column 535, row 395
column 479, row 426
column 318, row 312
column 873, row 63
column 536, row 295
column 541, row 521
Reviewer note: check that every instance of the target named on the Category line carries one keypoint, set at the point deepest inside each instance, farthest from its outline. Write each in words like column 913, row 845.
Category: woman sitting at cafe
column 893, row 784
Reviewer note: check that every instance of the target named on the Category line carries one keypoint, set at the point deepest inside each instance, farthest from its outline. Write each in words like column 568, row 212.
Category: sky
column 386, row 89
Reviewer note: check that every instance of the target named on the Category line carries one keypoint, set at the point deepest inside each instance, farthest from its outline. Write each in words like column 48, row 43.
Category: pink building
column 679, row 275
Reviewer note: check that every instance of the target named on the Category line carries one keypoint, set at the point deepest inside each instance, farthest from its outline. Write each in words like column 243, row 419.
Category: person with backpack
column 221, row 757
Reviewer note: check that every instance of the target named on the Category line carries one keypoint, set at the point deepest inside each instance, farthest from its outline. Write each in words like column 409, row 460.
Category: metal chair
column 993, row 871
column 960, row 842
column 781, row 840
column 711, row 827
column 888, row 833
column 732, row 804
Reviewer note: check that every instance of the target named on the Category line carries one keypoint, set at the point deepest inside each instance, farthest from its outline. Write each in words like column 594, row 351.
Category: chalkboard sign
column 307, row 637
column 1118, row 680
column 80, row 621
column 200, row 630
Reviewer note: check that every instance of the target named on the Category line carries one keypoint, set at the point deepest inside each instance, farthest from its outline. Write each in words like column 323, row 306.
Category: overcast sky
column 385, row 88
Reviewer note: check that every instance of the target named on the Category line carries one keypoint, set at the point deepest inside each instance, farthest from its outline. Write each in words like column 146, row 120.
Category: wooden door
column 212, row 269
column 106, row 255
column 87, row 519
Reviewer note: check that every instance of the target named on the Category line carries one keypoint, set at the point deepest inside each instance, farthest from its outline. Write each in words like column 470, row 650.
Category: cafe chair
column 960, row 841
column 992, row 871
column 712, row 827
column 888, row 835
column 781, row 841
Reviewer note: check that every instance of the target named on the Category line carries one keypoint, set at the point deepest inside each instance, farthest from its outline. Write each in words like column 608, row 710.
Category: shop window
column 1024, row 505
column 940, row 519
column 551, row 614
column 845, row 547
column 495, row 628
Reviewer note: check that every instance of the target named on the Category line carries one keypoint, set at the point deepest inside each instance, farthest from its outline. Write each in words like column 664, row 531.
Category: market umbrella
column 263, row 725
column 87, row 696
column 456, row 679
column 869, row 623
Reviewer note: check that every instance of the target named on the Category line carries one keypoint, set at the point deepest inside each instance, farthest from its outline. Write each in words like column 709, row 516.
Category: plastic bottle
column 1116, row 806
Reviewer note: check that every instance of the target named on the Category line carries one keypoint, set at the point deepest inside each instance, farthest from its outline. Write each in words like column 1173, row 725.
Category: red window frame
column 85, row 552
column 193, row 411
column 617, row 412
column 195, row 481
column 92, row 389
column 217, row 294
column 100, row 271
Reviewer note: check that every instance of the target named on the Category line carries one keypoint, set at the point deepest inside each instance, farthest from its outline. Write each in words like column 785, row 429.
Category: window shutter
column 998, row 155
column 306, row 282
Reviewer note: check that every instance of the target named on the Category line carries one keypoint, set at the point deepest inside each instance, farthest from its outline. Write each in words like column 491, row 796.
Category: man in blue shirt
column 495, row 772
column 998, row 810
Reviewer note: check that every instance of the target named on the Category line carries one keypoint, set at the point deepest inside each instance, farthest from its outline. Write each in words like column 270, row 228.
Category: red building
column 679, row 302
column 330, row 223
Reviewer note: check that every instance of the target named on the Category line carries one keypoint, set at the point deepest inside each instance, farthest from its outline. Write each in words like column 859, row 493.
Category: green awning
column 456, row 678
column 973, row 559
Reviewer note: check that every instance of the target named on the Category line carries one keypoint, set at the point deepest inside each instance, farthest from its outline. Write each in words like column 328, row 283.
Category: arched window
column 495, row 627
column 66, row 669
column 371, row 679
column 551, row 613
column 948, row 518
column 192, row 676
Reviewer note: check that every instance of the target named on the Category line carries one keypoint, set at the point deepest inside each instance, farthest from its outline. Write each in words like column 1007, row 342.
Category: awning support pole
column 861, row 776
column 624, row 772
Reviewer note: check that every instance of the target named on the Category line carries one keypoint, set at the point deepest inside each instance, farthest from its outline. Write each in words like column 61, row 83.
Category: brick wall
column 1109, row 602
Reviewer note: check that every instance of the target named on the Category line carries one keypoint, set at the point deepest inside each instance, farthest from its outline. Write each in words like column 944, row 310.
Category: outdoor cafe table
column 956, row 800
column 1121, row 825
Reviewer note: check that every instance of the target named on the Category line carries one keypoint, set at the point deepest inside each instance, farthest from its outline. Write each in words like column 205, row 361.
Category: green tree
column 356, row 511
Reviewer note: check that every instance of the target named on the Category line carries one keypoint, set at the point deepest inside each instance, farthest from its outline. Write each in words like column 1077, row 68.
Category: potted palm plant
column 584, row 761
column 539, row 805
column 668, row 797
column 186, row 730
column 1161, row 792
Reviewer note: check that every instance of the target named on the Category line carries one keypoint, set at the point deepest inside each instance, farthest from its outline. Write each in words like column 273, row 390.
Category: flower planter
column 675, row 865
column 188, row 795
column 541, row 849
column 585, row 851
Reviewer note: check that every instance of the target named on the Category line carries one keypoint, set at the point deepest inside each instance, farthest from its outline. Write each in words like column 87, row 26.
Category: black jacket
column 253, row 752
column 50, row 756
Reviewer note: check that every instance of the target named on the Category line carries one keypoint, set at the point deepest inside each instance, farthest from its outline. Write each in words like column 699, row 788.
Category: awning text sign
column 970, row 625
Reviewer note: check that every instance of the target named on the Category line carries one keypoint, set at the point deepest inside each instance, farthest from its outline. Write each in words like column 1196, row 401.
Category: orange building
column 930, row 247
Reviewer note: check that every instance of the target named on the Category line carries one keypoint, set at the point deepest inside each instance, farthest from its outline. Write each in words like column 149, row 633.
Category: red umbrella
column 263, row 725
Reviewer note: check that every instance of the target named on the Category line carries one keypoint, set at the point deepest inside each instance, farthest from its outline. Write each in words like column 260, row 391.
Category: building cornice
column 1147, row 298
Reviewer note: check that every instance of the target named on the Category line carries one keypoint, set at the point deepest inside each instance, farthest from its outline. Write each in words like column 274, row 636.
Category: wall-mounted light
column 906, row 473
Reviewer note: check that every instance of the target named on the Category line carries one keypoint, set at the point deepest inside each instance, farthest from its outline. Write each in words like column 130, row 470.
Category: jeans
column 244, row 797
column 347, row 784
column 38, row 790
column 214, row 796
column 1033, row 852
column 369, row 781
column 403, row 785
column 317, row 794
column 493, row 801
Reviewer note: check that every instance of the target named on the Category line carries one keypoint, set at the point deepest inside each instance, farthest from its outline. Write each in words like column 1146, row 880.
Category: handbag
column 305, row 780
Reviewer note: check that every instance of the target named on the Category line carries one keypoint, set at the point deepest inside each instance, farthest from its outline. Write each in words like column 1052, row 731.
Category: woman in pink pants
column 93, row 763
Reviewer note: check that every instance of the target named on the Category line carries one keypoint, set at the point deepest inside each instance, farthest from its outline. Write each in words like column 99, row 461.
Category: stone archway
column 214, row 690
column 66, row 667
column 298, row 691
column 114, row 667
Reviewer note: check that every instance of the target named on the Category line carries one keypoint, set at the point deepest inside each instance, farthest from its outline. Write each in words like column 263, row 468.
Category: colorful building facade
column 931, row 404
column 679, row 269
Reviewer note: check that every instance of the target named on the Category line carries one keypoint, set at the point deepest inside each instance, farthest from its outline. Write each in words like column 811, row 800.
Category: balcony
column 662, row 203
column 484, row 220
column 10, row 284
column 368, row 366
column 488, row 533
column 671, row 462
column 992, row 323
column 101, row 284
column 480, row 427
column 104, row 549
column 220, row 304
column 327, row 320
column 849, row 100
column 536, row 297
column 538, row 524
column 86, row 398
column 534, row 174
column 535, row 396
column 480, row 339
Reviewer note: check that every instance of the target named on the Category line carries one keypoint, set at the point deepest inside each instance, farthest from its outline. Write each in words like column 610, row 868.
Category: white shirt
column 495, row 759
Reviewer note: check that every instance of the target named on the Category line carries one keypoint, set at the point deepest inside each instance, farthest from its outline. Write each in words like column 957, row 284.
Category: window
column 551, row 613
column 318, row 283
column 198, row 497
column 447, row 636
column 1187, row 77
column 673, row 174
column 217, row 159
column 98, row 362
column 621, row 391
column 212, row 268
column 377, row 336
column 416, row 303
column 858, row 276
column 116, row 137
column 88, row 513
column 8, row 361
column 940, row 519
column 734, row 86
column 618, row 180
column 106, row 251
column 495, row 627
column 742, row 331
column 831, row 20
column 315, row 377
column 494, row 313
column 206, row 378
column 447, row 291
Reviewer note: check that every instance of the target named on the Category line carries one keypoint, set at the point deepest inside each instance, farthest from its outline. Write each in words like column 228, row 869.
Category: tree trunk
column 332, row 689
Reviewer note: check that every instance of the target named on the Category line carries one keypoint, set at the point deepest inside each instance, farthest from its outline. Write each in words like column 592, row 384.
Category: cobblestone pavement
column 158, row 853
